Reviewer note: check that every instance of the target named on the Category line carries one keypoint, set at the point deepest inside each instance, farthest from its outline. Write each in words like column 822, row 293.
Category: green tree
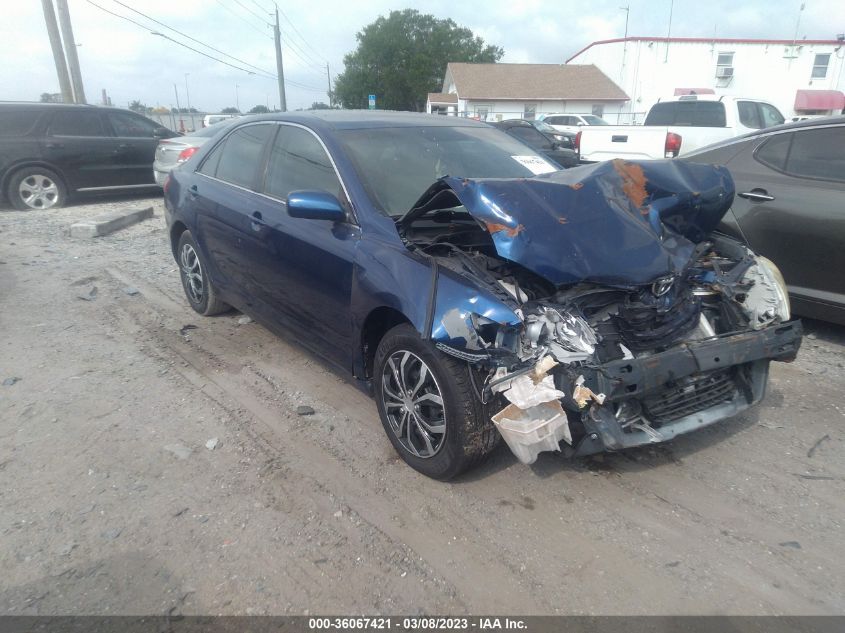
column 319, row 105
column 230, row 110
column 259, row 109
column 402, row 57
column 137, row 106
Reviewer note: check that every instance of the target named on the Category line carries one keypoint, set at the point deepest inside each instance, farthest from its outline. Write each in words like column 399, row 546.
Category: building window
column 529, row 112
column 598, row 110
column 725, row 66
column 820, row 66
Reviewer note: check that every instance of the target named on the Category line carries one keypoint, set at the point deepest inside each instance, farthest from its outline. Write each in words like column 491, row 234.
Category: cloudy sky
column 131, row 63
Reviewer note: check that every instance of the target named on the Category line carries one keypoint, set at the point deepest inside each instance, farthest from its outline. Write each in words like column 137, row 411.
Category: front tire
column 36, row 188
column 428, row 407
column 201, row 293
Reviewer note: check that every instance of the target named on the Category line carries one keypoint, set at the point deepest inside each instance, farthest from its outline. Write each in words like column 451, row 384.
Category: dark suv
column 48, row 151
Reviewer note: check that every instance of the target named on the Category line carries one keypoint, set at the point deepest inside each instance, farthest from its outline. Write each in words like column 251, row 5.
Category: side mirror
column 315, row 205
column 161, row 132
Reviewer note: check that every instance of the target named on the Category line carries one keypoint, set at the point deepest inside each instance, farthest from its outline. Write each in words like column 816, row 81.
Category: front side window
column 820, row 64
column 529, row 112
column 77, row 123
column 128, row 126
column 240, row 155
column 770, row 115
column 818, row 154
column 298, row 161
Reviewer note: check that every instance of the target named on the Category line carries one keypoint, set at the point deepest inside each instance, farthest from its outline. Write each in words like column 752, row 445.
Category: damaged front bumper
column 679, row 390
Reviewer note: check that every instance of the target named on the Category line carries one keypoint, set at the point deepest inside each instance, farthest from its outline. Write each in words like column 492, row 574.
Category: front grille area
column 689, row 395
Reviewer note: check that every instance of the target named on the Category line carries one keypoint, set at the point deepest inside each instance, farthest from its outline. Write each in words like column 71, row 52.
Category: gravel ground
column 153, row 462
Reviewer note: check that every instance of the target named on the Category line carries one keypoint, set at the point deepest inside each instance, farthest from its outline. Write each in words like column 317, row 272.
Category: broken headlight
column 767, row 300
column 567, row 336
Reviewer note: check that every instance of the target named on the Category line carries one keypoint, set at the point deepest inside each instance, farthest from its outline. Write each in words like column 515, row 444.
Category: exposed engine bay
column 631, row 319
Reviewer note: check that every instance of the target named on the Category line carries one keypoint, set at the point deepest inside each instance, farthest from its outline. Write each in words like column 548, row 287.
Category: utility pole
column 237, row 99
column 329, row 77
column 669, row 30
column 58, row 53
column 187, row 94
column 179, row 109
column 280, row 70
column 70, row 52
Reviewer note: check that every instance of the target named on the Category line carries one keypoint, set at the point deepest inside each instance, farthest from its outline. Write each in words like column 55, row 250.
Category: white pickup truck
column 676, row 126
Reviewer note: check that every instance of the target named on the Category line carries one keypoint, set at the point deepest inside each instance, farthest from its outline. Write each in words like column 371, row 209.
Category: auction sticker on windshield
column 536, row 164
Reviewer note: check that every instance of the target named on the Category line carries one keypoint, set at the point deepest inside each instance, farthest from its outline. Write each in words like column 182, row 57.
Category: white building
column 496, row 92
column 801, row 77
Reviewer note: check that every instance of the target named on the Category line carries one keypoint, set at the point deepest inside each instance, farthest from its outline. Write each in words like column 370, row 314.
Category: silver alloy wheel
column 38, row 191
column 192, row 273
column 413, row 404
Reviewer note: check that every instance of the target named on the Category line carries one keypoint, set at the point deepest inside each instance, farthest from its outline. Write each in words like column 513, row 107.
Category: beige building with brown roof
column 495, row 92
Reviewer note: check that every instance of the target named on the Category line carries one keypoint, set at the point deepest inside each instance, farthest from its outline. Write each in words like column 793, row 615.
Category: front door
column 304, row 267
column 135, row 148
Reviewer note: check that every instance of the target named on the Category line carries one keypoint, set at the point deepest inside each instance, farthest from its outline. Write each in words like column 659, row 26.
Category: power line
column 304, row 41
column 245, row 21
column 146, row 28
column 193, row 39
column 248, row 10
column 259, row 72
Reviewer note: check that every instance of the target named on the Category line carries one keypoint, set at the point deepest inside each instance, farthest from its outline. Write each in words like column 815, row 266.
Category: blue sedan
column 475, row 290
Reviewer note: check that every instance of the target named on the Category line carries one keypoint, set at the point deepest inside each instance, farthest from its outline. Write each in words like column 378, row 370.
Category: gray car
column 173, row 151
column 790, row 206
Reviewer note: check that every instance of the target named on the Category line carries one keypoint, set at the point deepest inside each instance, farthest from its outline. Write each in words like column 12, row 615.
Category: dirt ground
column 112, row 503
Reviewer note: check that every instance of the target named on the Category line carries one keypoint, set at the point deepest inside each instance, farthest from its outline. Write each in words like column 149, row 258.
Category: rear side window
column 77, row 123
column 818, row 154
column 298, row 161
column 17, row 122
column 688, row 113
column 530, row 135
column 774, row 151
column 240, row 155
column 748, row 114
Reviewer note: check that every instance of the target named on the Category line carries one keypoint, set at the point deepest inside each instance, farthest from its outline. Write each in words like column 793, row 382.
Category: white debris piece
column 526, row 393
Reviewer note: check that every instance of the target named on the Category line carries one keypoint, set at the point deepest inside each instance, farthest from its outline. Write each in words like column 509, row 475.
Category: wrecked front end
column 601, row 304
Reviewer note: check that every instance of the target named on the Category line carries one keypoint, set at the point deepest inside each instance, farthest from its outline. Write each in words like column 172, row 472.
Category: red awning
column 679, row 92
column 819, row 100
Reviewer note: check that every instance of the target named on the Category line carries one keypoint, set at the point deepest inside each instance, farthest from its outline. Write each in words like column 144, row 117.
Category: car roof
column 57, row 106
column 785, row 127
column 360, row 119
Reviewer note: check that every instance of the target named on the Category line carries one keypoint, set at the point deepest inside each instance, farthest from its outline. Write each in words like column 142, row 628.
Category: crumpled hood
column 617, row 223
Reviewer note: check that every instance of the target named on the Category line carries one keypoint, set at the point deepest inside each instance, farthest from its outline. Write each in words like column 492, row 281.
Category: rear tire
column 36, row 188
column 201, row 293
column 418, row 390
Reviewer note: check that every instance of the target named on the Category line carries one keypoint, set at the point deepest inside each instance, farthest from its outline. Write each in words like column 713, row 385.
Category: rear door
column 224, row 199
column 135, row 147
column 790, row 189
column 78, row 143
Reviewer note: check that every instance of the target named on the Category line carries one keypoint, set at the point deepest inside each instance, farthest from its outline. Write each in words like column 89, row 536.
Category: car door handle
column 257, row 221
column 193, row 191
column 756, row 195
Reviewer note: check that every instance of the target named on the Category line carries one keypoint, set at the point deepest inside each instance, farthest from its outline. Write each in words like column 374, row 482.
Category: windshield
column 545, row 127
column 397, row 165
column 593, row 120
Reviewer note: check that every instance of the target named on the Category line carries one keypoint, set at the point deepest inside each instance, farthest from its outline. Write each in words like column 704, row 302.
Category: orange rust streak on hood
column 493, row 227
column 633, row 181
